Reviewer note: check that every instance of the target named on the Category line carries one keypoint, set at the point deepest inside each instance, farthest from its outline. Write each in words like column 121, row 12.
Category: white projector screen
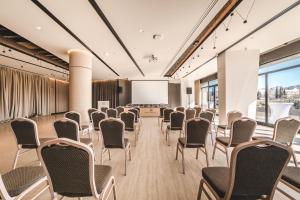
column 149, row 92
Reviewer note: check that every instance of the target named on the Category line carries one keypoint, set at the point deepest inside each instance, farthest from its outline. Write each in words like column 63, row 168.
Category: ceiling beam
column 10, row 43
column 207, row 31
column 112, row 30
column 62, row 25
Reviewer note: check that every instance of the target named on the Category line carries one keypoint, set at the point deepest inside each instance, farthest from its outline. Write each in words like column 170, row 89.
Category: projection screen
column 149, row 92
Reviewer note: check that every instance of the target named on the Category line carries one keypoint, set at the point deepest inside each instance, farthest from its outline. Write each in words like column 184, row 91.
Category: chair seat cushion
column 261, row 138
column 223, row 140
column 112, row 146
column 102, row 176
column 129, row 129
column 83, row 127
column 20, row 179
column 174, row 128
column 189, row 145
column 34, row 146
column 291, row 175
column 86, row 141
column 222, row 126
column 218, row 178
column 165, row 120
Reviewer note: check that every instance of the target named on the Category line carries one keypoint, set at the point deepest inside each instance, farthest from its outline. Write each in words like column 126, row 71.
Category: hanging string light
column 245, row 19
column 215, row 40
column 228, row 23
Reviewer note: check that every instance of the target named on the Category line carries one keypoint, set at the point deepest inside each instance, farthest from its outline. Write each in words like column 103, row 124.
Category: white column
column 80, row 87
column 238, row 79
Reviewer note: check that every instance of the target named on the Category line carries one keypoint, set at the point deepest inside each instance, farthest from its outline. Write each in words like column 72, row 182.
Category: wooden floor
column 153, row 173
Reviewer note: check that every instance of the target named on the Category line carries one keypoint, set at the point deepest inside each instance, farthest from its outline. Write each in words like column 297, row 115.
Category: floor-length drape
column 23, row 94
column 105, row 91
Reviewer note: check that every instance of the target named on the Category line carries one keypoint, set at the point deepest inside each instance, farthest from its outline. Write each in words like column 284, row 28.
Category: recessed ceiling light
column 38, row 28
column 141, row 31
column 157, row 37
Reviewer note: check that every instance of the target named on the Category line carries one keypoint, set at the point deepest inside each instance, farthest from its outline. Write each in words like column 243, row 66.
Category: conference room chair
column 120, row 109
column 198, row 110
column 137, row 119
column 190, row 113
column 196, row 131
column 77, row 118
column 254, row 172
column 166, row 117
column 161, row 114
column 103, row 109
column 90, row 111
column 290, row 178
column 26, row 135
column 112, row 131
column 96, row 118
column 231, row 116
column 180, row 109
column 67, row 128
column 176, row 124
column 213, row 110
column 241, row 131
column 112, row 113
column 129, row 121
column 210, row 117
column 19, row 182
column 285, row 131
column 71, row 170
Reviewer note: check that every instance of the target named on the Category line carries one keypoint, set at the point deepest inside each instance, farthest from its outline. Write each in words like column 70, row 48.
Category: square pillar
column 238, row 80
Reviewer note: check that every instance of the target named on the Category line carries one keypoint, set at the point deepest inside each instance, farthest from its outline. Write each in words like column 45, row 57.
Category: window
column 209, row 94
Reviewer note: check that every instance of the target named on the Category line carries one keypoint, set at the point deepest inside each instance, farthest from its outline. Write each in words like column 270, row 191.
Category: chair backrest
column 190, row 113
column 103, row 109
column 196, row 131
column 176, row 119
column 198, row 110
column 161, row 112
column 69, row 166
column 136, row 113
column 255, row 169
column 128, row 118
column 233, row 116
column 285, row 130
column 90, row 111
column 96, row 118
column 74, row 116
column 207, row 115
column 26, row 132
column 111, row 113
column 180, row 109
column 120, row 109
column 67, row 128
column 167, row 112
column 112, row 131
column 242, row 130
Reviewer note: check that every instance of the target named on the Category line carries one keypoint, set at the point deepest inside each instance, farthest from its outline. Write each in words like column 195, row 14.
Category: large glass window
column 209, row 94
column 279, row 91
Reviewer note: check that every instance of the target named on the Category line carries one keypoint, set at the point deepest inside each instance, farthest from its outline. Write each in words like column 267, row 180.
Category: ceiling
column 178, row 22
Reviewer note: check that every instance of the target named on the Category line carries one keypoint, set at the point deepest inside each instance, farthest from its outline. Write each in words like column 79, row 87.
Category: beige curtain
column 23, row 94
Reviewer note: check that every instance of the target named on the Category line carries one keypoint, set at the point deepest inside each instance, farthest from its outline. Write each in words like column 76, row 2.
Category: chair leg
column 211, row 137
column 114, row 189
column 109, row 154
column 129, row 152
column 125, row 162
column 176, row 157
column 197, row 153
column 168, row 137
column 294, row 158
column 16, row 159
column 227, row 156
column 135, row 138
column 206, row 155
column 183, row 167
column 214, row 151
column 200, row 190
column 161, row 126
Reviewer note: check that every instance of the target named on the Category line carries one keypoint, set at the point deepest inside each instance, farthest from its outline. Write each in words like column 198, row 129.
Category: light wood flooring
column 153, row 173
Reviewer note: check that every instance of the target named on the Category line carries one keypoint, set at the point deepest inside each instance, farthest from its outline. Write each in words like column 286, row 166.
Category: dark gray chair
column 190, row 113
column 67, row 128
column 196, row 131
column 120, row 109
column 71, row 170
column 77, row 118
column 26, row 135
column 231, row 117
column 176, row 124
column 113, row 138
column 198, row 110
column 180, row 109
column 96, row 118
column 19, row 182
column 255, row 170
column 137, row 120
column 210, row 117
column 241, row 131
column 112, row 113
column 161, row 114
column 130, row 126
column 90, row 111
column 103, row 109
column 285, row 131
column 291, row 178
column 166, row 117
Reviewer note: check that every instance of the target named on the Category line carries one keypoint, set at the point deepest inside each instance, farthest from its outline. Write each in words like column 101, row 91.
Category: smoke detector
column 152, row 58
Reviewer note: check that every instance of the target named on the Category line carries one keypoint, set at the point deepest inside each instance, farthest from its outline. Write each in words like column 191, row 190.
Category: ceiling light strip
column 112, row 30
column 278, row 15
column 46, row 11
